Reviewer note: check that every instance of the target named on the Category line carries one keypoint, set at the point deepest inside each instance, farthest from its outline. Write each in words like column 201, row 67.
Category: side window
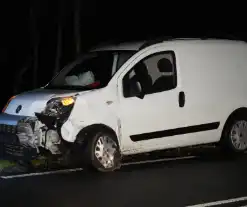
column 155, row 73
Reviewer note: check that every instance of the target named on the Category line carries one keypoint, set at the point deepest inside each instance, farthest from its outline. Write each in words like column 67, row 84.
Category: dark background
column 30, row 31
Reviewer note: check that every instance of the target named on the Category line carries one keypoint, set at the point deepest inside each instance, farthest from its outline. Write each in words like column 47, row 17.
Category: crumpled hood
column 34, row 101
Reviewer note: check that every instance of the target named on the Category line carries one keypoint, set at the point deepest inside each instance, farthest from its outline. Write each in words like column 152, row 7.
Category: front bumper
column 10, row 147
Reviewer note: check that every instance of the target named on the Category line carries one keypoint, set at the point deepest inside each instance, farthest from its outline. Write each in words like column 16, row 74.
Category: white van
column 134, row 98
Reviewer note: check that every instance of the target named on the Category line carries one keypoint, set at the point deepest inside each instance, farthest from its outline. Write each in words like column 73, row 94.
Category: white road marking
column 81, row 169
column 42, row 173
column 159, row 160
column 233, row 200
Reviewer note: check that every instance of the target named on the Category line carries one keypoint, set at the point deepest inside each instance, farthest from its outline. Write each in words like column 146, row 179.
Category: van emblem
column 18, row 109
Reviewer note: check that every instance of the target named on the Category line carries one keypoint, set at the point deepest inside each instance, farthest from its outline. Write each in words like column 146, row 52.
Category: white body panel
column 211, row 73
column 34, row 101
column 92, row 108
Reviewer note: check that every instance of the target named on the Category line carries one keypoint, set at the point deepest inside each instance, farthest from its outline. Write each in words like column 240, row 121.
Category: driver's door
column 146, row 121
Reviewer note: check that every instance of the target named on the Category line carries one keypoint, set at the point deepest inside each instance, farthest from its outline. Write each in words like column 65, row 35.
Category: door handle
column 181, row 99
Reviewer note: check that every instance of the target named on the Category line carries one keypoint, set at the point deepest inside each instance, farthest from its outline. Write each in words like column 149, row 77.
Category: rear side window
column 154, row 74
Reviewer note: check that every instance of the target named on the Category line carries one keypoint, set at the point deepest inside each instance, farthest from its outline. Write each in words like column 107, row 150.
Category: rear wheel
column 103, row 152
column 234, row 138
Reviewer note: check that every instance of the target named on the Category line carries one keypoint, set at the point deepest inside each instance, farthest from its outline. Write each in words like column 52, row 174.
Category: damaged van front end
column 45, row 129
column 74, row 114
column 24, row 136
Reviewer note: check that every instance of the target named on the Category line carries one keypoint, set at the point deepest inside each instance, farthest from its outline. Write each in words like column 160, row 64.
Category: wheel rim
column 239, row 135
column 105, row 151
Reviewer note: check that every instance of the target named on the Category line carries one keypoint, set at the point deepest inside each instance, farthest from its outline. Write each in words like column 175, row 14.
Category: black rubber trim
column 173, row 132
column 49, row 121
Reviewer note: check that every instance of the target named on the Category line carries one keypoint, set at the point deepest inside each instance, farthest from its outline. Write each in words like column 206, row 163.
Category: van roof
column 138, row 45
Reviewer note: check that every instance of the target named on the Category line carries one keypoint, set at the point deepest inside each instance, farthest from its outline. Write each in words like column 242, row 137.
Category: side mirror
column 133, row 88
column 140, row 95
column 141, row 92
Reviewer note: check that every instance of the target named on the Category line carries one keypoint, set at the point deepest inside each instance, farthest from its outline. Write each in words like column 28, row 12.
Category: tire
column 93, row 153
column 234, row 136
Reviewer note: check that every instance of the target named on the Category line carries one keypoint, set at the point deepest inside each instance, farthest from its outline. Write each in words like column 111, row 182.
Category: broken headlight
column 59, row 107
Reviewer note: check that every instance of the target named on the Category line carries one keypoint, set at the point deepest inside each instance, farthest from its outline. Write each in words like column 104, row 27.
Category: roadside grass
column 5, row 164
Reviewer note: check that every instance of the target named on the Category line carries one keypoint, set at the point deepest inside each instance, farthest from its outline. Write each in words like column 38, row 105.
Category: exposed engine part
column 52, row 141
column 35, row 134
column 29, row 132
column 49, row 121
column 26, row 135
column 43, row 130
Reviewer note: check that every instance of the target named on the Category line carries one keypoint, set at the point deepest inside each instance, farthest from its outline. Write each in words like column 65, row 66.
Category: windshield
column 93, row 70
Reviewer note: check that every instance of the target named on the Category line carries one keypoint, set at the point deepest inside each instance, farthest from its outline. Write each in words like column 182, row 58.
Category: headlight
column 59, row 106
column 5, row 107
column 66, row 101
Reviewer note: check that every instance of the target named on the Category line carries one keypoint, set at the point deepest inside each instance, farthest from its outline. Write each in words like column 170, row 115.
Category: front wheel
column 103, row 152
column 235, row 135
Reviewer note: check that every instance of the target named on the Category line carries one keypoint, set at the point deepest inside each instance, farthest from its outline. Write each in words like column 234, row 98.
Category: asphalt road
column 171, row 183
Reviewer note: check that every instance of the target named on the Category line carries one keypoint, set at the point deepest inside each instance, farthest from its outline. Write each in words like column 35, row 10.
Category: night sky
column 99, row 22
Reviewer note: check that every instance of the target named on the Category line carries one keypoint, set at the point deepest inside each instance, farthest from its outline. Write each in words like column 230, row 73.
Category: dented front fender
column 69, row 130
column 88, row 111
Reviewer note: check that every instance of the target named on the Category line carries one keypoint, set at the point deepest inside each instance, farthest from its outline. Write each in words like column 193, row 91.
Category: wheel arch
column 235, row 113
column 84, row 134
